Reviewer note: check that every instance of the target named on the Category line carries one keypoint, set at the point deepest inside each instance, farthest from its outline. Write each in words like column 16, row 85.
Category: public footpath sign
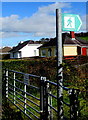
column 71, row 22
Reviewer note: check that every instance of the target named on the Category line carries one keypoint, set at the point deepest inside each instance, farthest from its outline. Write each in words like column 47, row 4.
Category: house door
column 19, row 54
column 49, row 52
column 78, row 50
column 84, row 51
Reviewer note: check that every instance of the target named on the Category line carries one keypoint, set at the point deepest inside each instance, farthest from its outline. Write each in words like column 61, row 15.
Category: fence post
column 26, row 82
column 49, row 108
column 46, row 100
column 43, row 99
column 7, row 83
column 4, row 83
column 14, row 89
column 74, row 104
column 25, row 98
column 4, row 75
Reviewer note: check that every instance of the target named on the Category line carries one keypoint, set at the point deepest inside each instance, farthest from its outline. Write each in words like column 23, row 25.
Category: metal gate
column 37, row 97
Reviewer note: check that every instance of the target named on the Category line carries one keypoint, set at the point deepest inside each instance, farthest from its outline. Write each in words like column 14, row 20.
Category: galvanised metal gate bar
column 19, row 91
column 73, row 103
column 37, row 100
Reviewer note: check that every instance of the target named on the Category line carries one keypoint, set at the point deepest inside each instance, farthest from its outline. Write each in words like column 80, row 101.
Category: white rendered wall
column 30, row 50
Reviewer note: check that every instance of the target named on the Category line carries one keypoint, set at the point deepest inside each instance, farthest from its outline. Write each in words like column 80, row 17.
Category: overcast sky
column 23, row 21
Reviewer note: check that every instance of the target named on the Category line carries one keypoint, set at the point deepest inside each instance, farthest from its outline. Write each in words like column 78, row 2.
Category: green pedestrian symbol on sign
column 69, row 22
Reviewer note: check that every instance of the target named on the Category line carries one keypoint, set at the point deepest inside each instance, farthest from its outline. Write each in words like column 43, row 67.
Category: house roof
column 5, row 49
column 66, row 40
column 22, row 44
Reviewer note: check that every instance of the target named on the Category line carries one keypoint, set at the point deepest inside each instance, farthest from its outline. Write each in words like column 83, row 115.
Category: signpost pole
column 59, row 64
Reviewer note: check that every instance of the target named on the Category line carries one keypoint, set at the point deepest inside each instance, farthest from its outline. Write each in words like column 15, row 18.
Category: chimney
column 21, row 42
column 72, row 34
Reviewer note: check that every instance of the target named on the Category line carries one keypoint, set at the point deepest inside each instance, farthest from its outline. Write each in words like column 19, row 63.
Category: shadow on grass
column 8, row 113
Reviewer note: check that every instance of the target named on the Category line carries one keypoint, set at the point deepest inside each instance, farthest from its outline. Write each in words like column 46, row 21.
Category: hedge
column 72, row 74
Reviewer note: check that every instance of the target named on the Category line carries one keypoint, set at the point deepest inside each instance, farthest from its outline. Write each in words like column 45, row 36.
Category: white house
column 25, row 49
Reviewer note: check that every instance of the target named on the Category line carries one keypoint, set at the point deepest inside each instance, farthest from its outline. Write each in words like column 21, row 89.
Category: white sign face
column 69, row 22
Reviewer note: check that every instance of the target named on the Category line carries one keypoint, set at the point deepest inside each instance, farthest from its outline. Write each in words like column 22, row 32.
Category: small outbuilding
column 5, row 52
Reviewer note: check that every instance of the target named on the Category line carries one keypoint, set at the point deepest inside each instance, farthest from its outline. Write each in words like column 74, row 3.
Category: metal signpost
column 65, row 22
column 59, row 64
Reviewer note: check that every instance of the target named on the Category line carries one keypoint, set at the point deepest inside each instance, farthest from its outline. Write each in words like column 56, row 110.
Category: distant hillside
column 82, row 34
column 85, row 38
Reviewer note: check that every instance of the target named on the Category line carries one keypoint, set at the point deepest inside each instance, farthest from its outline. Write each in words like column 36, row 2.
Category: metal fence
column 36, row 96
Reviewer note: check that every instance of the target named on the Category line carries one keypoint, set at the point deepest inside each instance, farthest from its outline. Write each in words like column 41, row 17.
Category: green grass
column 85, row 38
column 10, row 107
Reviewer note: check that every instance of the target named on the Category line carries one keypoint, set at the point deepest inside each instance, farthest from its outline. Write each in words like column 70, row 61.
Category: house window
column 43, row 53
column 13, row 54
column 34, row 52
column 49, row 52
column 19, row 54
column 55, row 52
